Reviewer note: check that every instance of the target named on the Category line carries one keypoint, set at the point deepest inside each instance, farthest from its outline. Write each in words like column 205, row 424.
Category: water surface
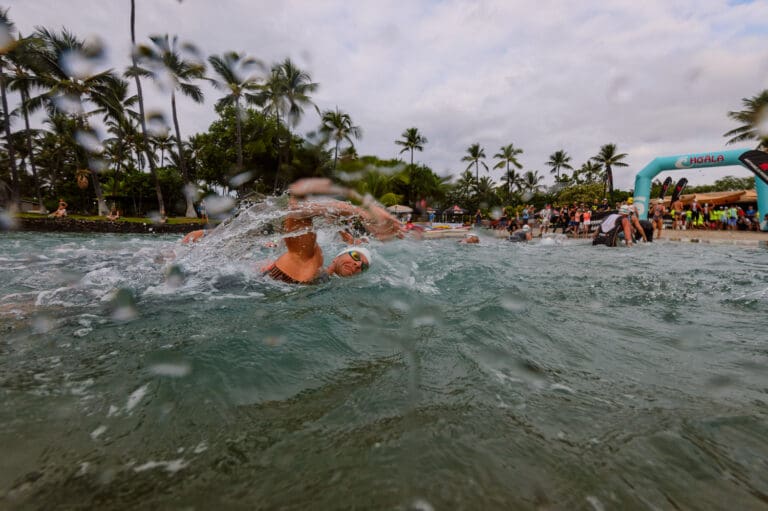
column 137, row 373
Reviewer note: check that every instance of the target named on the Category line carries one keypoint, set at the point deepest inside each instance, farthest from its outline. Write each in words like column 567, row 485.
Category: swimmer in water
column 470, row 239
column 303, row 262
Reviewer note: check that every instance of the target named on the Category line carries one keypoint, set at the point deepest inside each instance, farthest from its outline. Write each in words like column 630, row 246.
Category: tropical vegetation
column 98, row 147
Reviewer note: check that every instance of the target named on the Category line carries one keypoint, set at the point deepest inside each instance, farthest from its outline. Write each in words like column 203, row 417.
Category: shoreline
column 102, row 226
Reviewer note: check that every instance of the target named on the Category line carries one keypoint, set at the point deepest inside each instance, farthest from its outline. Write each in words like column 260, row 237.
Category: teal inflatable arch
column 756, row 161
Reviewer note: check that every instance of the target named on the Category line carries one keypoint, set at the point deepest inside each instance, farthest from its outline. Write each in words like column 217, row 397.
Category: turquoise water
column 139, row 374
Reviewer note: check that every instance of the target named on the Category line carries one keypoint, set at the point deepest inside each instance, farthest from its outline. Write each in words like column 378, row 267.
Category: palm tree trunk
column 239, row 127
column 15, row 192
column 152, row 169
column 182, row 161
column 24, row 98
column 336, row 155
column 102, row 206
column 277, row 138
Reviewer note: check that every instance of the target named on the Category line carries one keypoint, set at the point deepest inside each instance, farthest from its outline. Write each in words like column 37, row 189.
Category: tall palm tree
column 338, row 126
column 513, row 180
column 72, row 94
column 475, row 155
column 608, row 158
column 559, row 160
column 133, row 71
column 21, row 60
column 165, row 62
column 753, row 120
column 507, row 156
column 237, row 74
column 285, row 93
column 412, row 140
column 7, row 26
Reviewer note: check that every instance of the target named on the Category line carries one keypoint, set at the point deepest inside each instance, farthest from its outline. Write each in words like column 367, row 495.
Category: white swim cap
column 526, row 228
column 364, row 251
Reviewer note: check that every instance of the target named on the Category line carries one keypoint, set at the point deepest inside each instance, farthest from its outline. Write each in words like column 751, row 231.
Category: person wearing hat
column 303, row 262
column 522, row 234
column 634, row 218
column 626, row 225
column 604, row 206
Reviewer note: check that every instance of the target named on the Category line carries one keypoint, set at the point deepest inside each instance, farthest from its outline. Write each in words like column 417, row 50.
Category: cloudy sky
column 655, row 77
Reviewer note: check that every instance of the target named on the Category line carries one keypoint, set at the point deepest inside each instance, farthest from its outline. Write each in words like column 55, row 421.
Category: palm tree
column 21, row 59
column 7, row 26
column 608, row 158
column 237, row 76
column 559, row 160
column 285, row 94
column 531, row 182
column 412, row 140
column 71, row 94
column 338, row 126
column 755, row 113
column 166, row 62
column 512, row 180
column 475, row 155
column 508, row 155
column 590, row 171
column 133, row 70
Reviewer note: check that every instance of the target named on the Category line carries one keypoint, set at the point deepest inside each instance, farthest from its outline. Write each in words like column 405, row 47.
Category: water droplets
column 761, row 122
column 124, row 306
column 619, row 90
column 241, row 179
column 219, row 206
column 89, row 141
column 81, row 63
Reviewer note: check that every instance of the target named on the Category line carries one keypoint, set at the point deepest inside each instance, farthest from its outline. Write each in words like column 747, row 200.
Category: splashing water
column 447, row 376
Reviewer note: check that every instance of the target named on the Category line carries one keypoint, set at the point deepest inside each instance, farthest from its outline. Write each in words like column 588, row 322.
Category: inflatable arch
column 756, row 161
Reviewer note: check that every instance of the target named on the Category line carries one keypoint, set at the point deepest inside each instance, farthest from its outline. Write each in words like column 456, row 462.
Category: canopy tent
column 717, row 198
column 399, row 208
column 455, row 210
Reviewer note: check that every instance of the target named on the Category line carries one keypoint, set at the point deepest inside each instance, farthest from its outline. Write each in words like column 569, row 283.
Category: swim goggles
column 356, row 256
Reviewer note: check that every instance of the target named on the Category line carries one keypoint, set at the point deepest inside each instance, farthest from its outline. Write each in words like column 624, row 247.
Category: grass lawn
column 138, row 220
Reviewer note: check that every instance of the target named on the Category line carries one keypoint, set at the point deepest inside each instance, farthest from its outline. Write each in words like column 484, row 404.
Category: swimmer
column 303, row 263
column 193, row 236
column 61, row 211
column 523, row 234
column 470, row 239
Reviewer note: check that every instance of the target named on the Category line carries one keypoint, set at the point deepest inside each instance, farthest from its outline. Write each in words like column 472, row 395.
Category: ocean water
column 136, row 373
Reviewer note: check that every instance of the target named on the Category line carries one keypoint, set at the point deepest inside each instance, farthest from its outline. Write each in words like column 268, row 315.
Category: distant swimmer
column 303, row 263
column 470, row 239
column 193, row 236
column 522, row 235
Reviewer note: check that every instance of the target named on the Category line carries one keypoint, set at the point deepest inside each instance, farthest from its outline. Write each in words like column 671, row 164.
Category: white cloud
column 655, row 77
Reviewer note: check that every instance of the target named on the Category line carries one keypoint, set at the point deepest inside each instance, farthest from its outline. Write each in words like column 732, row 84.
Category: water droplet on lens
column 761, row 122
column 89, row 142
column 156, row 124
column 69, row 104
column 42, row 324
column 513, row 303
column 218, row 205
column 6, row 41
column 619, row 90
column 174, row 277
column 7, row 222
column 240, row 179
column 123, row 306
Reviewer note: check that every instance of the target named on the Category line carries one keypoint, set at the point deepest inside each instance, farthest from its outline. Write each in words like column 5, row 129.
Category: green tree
column 531, row 182
column 285, row 93
column 475, row 156
column 412, row 140
column 753, row 119
column 7, row 27
column 337, row 126
column 609, row 158
column 236, row 75
column 165, row 62
column 557, row 161
column 71, row 91
column 507, row 156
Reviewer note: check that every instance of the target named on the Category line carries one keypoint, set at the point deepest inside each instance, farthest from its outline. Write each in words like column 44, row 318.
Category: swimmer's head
column 351, row 261
column 526, row 228
column 630, row 200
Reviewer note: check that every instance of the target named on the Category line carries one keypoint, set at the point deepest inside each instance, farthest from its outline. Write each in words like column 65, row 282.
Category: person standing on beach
column 546, row 216
column 658, row 217
column 677, row 211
